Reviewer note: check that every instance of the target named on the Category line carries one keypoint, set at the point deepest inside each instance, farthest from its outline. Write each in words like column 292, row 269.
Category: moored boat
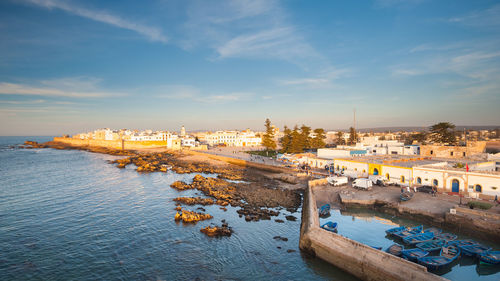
column 330, row 226
column 419, row 238
column 395, row 249
column 409, row 231
column 324, row 210
column 446, row 236
column 447, row 255
column 474, row 250
column 490, row 257
column 434, row 230
column 414, row 254
column 405, row 196
column 432, row 245
column 465, row 242
column 395, row 229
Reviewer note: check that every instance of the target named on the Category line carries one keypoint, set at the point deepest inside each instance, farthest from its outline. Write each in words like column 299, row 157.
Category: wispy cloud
column 78, row 87
column 185, row 92
column 245, row 29
column 392, row 3
column 280, row 42
column 486, row 17
column 153, row 33
column 323, row 80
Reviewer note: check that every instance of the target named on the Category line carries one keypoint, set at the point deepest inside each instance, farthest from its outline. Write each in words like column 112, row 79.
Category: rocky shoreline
column 258, row 194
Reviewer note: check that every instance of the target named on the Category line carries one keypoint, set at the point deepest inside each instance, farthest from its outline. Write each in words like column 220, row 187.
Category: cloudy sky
column 70, row 66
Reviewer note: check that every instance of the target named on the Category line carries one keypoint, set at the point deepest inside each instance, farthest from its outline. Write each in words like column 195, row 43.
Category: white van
column 337, row 181
column 365, row 184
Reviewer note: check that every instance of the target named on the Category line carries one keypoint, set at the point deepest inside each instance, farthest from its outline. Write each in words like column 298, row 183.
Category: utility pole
column 354, row 126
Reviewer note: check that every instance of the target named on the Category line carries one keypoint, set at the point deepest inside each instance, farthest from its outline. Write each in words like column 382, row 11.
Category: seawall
column 115, row 144
column 356, row 258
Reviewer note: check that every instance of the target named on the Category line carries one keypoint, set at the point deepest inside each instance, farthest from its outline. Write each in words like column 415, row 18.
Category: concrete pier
column 356, row 258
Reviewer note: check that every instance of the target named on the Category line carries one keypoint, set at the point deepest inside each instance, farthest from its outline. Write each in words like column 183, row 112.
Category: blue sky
column 71, row 66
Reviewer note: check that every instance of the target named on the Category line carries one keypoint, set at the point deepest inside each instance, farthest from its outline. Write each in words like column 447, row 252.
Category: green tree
column 340, row 138
column 296, row 145
column 319, row 138
column 353, row 136
column 268, row 138
column 286, row 140
column 305, row 139
column 443, row 132
column 417, row 137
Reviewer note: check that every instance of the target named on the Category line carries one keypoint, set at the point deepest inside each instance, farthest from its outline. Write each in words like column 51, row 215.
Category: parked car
column 425, row 189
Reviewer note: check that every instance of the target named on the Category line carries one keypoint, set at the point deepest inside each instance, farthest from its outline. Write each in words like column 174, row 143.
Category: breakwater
column 356, row 258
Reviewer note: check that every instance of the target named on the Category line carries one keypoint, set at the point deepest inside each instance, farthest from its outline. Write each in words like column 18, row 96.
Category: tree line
column 294, row 140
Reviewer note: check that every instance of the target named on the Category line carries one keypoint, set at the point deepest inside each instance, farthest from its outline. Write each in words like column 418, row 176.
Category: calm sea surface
column 69, row 215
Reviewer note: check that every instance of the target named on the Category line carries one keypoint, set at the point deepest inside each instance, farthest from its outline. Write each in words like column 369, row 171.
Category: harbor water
column 70, row 215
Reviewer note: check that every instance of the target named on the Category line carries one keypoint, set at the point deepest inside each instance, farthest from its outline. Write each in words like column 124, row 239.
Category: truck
column 337, row 181
column 365, row 184
column 378, row 180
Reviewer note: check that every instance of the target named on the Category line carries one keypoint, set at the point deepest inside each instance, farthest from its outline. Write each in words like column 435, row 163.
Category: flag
column 467, row 167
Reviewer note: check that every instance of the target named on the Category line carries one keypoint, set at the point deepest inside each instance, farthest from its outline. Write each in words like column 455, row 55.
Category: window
column 419, row 180
column 364, row 171
column 435, row 182
column 463, row 154
column 402, row 179
column 355, row 169
column 451, row 153
column 432, row 152
column 478, row 188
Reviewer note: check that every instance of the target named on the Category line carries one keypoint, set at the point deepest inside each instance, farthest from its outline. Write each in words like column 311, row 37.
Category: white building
column 233, row 138
column 188, row 142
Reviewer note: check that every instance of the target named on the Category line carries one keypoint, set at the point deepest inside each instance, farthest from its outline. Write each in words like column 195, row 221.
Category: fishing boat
column 405, row 196
column 414, row 254
column 465, row 242
column 330, row 226
column 434, row 230
column 474, row 250
column 418, row 238
column 395, row 249
column 446, row 236
column 490, row 257
column 409, row 231
column 395, row 229
column 376, row 247
column 447, row 255
column 432, row 245
column 324, row 211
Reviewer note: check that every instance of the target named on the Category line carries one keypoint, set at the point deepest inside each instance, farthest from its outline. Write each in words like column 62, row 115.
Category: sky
column 76, row 66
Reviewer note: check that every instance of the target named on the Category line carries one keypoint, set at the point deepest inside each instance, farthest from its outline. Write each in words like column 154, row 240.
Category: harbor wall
column 351, row 256
column 116, row 144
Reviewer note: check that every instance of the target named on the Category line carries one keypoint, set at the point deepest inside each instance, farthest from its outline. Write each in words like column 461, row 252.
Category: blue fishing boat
column 490, row 257
column 395, row 229
column 330, row 226
column 474, row 250
column 465, row 242
column 324, row 211
column 447, row 255
column 414, row 254
column 409, row 232
column 395, row 249
column 406, row 196
column 376, row 247
column 434, row 230
column 446, row 236
column 432, row 245
column 419, row 238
